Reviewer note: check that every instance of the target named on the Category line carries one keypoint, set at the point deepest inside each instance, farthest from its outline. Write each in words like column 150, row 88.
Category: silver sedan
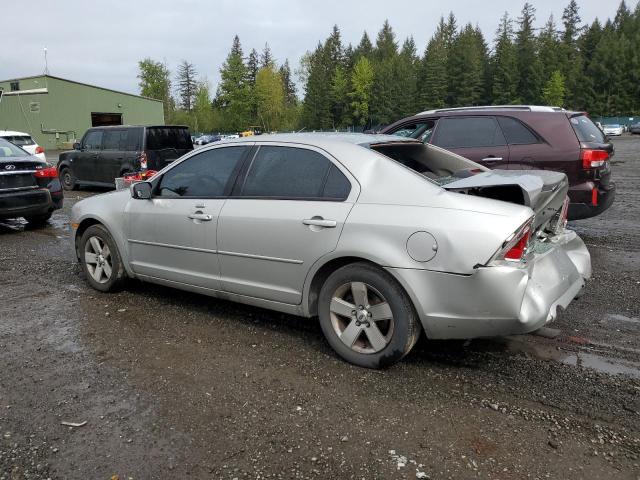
column 378, row 236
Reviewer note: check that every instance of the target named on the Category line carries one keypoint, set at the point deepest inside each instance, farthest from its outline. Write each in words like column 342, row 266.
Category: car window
column 286, row 172
column 93, row 140
column 586, row 130
column 468, row 132
column 206, row 174
column 420, row 130
column 132, row 142
column 20, row 140
column 337, row 185
column 515, row 132
column 160, row 138
column 8, row 149
column 114, row 140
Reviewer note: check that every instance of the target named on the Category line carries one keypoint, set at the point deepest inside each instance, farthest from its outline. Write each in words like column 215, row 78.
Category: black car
column 29, row 187
column 106, row 153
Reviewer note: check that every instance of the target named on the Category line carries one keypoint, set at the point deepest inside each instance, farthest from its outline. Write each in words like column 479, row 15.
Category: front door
column 288, row 212
column 172, row 236
column 85, row 166
column 479, row 139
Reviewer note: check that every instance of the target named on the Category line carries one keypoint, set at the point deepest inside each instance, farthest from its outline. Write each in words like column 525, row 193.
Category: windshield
column 8, row 149
column 586, row 130
column 612, row 125
column 160, row 138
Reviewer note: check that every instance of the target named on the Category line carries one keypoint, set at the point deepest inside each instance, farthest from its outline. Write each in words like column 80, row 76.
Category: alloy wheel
column 97, row 258
column 361, row 317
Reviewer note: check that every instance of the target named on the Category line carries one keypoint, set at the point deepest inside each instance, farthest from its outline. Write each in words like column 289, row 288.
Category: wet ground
column 175, row 385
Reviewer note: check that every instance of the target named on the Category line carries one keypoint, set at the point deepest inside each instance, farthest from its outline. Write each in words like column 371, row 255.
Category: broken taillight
column 39, row 149
column 515, row 247
column 592, row 158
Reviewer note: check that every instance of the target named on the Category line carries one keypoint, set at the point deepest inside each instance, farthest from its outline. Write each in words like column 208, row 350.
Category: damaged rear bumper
column 500, row 300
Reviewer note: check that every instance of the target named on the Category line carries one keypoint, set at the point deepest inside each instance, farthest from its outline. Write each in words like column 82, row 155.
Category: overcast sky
column 100, row 42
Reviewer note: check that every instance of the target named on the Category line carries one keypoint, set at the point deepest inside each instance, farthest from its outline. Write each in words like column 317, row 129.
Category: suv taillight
column 39, row 149
column 593, row 158
column 515, row 247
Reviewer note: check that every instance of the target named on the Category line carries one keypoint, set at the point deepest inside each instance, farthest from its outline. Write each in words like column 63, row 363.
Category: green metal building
column 56, row 111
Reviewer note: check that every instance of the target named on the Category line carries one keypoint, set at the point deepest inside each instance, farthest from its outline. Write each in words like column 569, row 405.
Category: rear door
column 478, row 138
column 527, row 151
column 289, row 211
column 86, row 163
column 112, row 156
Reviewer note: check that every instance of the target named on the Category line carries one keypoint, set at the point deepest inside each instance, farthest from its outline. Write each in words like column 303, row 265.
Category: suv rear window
column 586, row 130
column 159, row 138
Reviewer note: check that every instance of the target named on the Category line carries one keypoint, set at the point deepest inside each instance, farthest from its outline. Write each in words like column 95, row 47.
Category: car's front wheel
column 101, row 260
column 366, row 316
column 68, row 178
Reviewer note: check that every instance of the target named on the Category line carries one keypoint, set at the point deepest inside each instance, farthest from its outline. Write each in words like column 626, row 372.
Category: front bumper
column 499, row 300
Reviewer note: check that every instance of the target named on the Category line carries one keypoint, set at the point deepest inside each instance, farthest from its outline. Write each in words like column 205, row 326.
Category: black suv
column 29, row 187
column 525, row 138
column 109, row 152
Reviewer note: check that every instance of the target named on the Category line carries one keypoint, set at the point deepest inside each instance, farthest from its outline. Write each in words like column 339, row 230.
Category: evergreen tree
column 549, row 50
column 253, row 65
column 364, row 48
column 406, row 80
column 571, row 62
column 528, row 62
column 432, row 71
column 288, row 84
column 187, row 85
column 233, row 95
column 382, row 107
column 466, row 65
column 504, row 64
column 339, row 98
column 266, row 58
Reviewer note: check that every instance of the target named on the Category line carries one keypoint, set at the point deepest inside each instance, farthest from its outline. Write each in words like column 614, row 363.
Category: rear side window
column 160, row 138
column 515, row 132
column 468, row 132
column 206, row 174
column 337, row 186
column 287, row 172
column 586, row 130
column 114, row 139
column 93, row 140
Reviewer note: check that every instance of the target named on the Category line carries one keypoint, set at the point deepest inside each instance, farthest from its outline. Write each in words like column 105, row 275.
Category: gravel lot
column 176, row 385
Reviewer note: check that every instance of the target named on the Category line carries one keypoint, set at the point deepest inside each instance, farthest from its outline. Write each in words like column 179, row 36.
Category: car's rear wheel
column 38, row 220
column 101, row 260
column 68, row 179
column 366, row 316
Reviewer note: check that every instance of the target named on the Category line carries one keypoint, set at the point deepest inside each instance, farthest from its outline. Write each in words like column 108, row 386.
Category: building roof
column 79, row 83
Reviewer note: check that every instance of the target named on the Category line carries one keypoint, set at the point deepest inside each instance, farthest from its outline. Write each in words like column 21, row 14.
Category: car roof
column 6, row 133
column 321, row 139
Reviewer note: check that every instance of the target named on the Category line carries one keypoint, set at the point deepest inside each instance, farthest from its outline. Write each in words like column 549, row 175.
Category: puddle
column 599, row 363
column 620, row 318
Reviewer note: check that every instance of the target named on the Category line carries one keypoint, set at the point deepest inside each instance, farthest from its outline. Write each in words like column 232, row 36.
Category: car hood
column 543, row 191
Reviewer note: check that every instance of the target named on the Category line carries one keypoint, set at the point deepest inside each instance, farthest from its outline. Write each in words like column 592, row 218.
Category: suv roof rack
column 523, row 108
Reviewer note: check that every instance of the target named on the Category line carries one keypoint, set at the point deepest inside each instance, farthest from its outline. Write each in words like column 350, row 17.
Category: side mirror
column 141, row 190
column 77, row 146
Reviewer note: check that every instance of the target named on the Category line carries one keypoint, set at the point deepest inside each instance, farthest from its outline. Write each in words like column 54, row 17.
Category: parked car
column 207, row 139
column 379, row 236
column 525, row 137
column 109, row 152
column 24, row 141
column 29, row 187
column 613, row 129
column 634, row 128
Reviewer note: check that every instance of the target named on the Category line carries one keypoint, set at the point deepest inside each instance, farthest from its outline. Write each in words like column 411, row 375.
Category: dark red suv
column 525, row 138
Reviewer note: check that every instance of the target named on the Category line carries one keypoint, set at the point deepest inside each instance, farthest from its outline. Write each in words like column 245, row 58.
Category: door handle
column 320, row 222
column 201, row 216
column 491, row 159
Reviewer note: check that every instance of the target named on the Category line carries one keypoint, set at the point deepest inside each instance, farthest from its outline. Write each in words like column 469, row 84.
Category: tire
column 358, row 337
column 103, row 272
column 38, row 220
column 68, row 179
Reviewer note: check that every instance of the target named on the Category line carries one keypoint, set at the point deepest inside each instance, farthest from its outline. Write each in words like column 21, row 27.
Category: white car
column 24, row 141
column 613, row 129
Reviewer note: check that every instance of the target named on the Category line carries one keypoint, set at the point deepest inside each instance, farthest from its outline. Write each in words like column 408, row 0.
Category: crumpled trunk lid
column 542, row 190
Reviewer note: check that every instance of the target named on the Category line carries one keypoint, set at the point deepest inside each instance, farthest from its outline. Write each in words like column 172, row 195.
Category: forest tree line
column 593, row 67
